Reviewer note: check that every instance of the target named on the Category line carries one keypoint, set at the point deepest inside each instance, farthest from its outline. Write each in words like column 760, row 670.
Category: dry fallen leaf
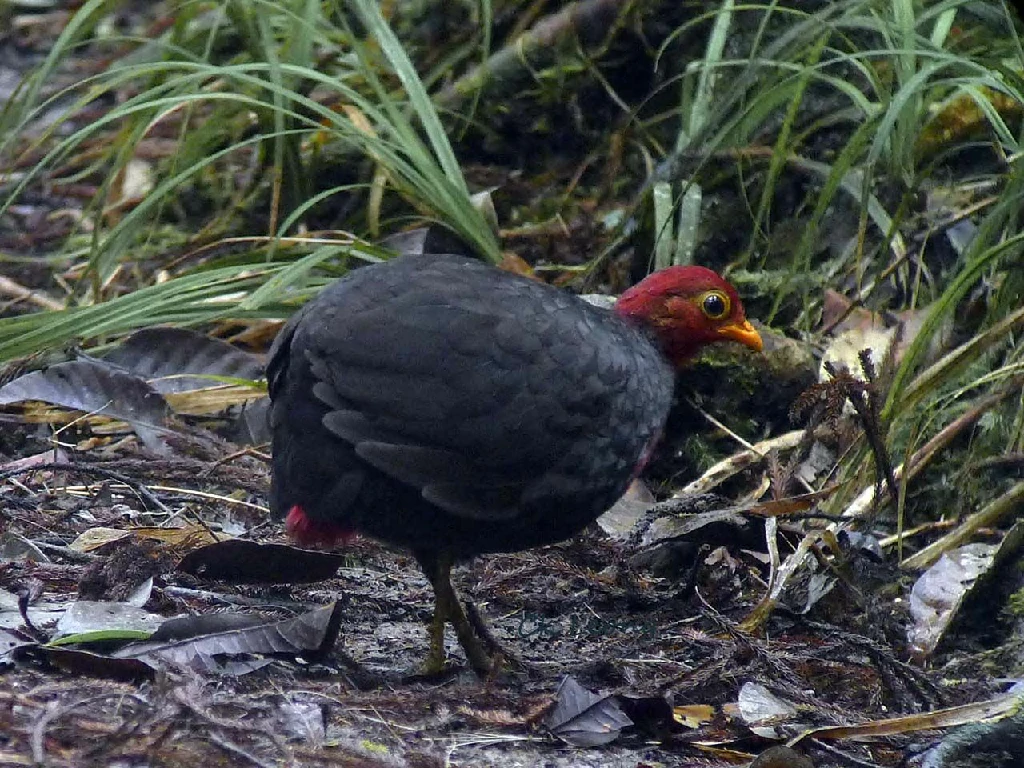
column 584, row 719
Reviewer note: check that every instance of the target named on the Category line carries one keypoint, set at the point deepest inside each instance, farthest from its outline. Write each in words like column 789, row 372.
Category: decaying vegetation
column 176, row 178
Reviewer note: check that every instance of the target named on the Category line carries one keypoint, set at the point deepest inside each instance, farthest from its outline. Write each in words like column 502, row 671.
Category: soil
column 659, row 633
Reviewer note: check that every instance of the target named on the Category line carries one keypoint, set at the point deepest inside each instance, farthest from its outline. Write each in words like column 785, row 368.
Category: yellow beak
column 744, row 333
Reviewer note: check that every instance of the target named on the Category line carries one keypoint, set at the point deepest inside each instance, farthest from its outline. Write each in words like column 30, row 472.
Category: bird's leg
column 434, row 664
column 448, row 608
column 468, row 639
column 435, row 631
column 498, row 652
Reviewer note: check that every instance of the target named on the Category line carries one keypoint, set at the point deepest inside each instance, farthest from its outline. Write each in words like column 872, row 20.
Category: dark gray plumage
column 442, row 405
column 439, row 404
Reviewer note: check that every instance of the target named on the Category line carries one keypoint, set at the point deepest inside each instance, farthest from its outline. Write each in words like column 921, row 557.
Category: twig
column 66, row 553
column 211, row 497
column 863, row 396
column 720, row 425
column 745, row 443
column 736, row 463
column 908, row 533
column 54, row 711
column 927, row 692
column 990, row 514
column 590, row 22
column 929, row 450
column 843, row 757
column 143, row 492
column 188, row 704
column 231, row 748
column 18, row 291
column 187, row 593
column 261, row 455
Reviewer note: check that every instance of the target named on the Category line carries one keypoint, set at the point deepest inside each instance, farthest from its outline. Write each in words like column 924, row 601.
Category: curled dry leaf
column 936, row 597
column 179, row 360
column 310, row 635
column 186, row 537
column 247, row 562
column 858, row 328
column 95, row 387
column 761, row 709
column 585, row 719
column 94, row 616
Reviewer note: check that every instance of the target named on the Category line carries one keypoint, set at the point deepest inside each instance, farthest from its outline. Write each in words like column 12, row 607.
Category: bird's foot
column 436, row 664
column 479, row 659
column 435, row 661
column 448, row 608
column 500, row 655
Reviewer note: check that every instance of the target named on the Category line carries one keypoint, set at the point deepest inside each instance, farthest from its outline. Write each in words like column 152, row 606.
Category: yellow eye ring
column 715, row 305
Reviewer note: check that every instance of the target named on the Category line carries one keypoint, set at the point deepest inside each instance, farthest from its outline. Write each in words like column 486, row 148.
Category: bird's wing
column 477, row 390
column 278, row 358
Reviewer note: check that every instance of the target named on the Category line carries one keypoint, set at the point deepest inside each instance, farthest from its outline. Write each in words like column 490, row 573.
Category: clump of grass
column 860, row 109
column 270, row 101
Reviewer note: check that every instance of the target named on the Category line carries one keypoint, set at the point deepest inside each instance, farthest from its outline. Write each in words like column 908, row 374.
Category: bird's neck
column 679, row 349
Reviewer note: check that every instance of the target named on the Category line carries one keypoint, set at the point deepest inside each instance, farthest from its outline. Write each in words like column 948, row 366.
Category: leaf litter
column 689, row 626
column 121, row 566
column 127, row 577
column 621, row 630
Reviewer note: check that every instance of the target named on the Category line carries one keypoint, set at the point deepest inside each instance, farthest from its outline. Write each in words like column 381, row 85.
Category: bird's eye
column 714, row 305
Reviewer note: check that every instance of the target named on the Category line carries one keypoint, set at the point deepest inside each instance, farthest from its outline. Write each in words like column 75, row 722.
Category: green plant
column 246, row 80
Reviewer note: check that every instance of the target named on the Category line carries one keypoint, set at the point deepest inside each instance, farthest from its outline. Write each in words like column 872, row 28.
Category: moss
column 1015, row 605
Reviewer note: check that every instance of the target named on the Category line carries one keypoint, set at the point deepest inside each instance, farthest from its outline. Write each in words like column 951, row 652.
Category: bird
column 447, row 407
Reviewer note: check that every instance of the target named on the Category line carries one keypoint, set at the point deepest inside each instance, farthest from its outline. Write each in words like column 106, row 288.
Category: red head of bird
column 686, row 308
